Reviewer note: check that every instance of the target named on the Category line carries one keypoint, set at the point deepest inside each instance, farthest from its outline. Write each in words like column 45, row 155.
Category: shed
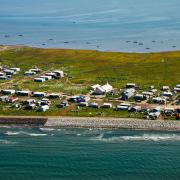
column 39, row 79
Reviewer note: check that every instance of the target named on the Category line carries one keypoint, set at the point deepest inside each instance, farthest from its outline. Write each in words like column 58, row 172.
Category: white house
column 103, row 89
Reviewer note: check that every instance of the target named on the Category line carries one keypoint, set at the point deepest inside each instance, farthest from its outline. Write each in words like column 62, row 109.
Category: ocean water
column 105, row 25
column 70, row 154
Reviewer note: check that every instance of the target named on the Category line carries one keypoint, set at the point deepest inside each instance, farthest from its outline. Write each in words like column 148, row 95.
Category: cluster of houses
column 130, row 98
column 27, row 99
column 49, row 75
column 7, row 73
column 131, row 94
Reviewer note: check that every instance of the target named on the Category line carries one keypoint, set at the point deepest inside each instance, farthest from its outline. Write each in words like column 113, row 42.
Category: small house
column 106, row 105
column 147, row 95
column 46, row 77
column 4, row 98
column 131, row 85
column 36, row 70
column 8, row 91
column 15, row 69
column 29, row 101
column 4, row 78
column 155, row 113
column 176, row 89
column 158, row 100
column 30, row 106
column 43, row 108
column 2, row 74
column 23, row 93
column 29, row 73
column 153, row 90
column 53, row 96
column 64, row 104
column 139, row 97
column 123, row 107
column 94, row 105
column 165, row 88
column 167, row 94
column 53, row 75
column 135, row 109
column 169, row 111
column 83, row 104
column 39, row 94
column 59, row 73
column 78, row 99
column 45, row 101
column 9, row 72
column 128, row 93
column 39, row 79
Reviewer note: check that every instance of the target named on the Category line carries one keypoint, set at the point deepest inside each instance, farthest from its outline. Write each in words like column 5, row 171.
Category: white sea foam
column 15, row 133
column 143, row 137
column 47, row 129
column 36, row 134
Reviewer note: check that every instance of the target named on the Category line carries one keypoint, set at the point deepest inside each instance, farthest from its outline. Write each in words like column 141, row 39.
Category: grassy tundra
column 88, row 67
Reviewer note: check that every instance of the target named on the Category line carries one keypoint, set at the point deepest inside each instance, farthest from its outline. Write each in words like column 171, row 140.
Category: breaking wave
column 15, row 133
column 47, row 129
column 143, row 137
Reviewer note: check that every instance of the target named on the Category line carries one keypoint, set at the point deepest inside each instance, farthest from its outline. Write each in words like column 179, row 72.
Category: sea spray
column 143, row 137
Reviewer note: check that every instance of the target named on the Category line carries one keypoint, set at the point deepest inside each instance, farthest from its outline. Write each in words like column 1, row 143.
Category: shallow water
column 116, row 25
column 48, row 153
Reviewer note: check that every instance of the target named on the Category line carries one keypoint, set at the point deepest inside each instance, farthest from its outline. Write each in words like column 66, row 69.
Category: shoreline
column 91, row 122
column 4, row 47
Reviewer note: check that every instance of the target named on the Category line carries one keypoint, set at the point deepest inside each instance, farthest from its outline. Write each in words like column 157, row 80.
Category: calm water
column 92, row 24
column 88, row 154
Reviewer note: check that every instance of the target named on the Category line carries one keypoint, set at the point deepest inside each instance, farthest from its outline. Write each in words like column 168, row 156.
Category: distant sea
column 105, row 25
column 86, row 154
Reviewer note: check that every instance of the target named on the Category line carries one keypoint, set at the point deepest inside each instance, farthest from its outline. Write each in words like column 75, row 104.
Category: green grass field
column 87, row 67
